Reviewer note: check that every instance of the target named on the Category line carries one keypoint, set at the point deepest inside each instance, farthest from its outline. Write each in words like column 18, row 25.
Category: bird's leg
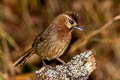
column 60, row 60
column 44, row 64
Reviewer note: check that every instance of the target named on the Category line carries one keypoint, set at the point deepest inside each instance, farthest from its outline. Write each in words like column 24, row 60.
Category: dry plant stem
column 79, row 68
column 8, row 37
column 3, row 68
column 78, row 43
column 7, row 57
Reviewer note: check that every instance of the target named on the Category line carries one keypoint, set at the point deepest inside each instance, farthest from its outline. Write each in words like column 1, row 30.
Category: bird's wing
column 37, row 39
column 41, row 37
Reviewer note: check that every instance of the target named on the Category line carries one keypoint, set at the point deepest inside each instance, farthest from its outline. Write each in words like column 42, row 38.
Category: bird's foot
column 44, row 64
column 60, row 60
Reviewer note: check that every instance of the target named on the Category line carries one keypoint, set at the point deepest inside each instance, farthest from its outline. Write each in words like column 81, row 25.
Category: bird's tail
column 24, row 58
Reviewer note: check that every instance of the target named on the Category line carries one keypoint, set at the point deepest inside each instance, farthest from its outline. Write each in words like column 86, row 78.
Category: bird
column 54, row 40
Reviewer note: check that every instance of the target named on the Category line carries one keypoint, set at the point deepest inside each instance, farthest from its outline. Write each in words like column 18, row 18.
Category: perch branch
column 79, row 68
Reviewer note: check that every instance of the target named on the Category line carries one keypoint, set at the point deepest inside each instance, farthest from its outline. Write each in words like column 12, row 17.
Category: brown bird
column 52, row 43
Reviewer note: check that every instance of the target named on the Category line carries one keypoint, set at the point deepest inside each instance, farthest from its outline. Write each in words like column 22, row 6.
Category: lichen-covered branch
column 77, row 69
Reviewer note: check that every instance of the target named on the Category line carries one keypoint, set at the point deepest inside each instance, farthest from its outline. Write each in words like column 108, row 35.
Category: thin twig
column 80, row 43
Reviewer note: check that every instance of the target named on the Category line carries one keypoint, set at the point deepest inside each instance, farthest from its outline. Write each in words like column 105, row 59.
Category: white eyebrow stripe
column 68, row 17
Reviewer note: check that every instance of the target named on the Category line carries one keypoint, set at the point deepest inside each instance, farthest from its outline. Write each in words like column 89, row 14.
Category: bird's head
column 71, row 20
column 67, row 21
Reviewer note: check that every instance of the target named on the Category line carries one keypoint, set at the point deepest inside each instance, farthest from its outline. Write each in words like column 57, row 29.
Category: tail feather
column 24, row 58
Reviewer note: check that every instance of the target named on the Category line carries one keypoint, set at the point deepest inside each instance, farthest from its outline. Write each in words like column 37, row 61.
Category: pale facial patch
column 67, row 22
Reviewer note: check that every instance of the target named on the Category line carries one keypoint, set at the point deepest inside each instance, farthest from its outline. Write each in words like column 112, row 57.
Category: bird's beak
column 78, row 27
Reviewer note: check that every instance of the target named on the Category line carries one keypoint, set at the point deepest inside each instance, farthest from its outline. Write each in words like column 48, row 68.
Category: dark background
column 22, row 20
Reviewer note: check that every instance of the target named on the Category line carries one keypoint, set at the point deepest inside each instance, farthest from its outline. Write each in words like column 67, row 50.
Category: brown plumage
column 53, row 42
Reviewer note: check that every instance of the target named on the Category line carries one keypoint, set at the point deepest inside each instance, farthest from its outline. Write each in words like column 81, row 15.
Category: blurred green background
column 22, row 20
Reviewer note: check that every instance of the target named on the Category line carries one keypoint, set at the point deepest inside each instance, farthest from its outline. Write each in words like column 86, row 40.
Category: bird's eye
column 71, row 22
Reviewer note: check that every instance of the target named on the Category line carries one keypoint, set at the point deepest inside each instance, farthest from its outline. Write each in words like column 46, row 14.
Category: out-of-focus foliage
column 22, row 20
